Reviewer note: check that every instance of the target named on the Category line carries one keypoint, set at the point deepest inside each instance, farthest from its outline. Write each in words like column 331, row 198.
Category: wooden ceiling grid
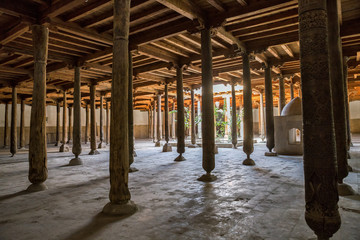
column 162, row 33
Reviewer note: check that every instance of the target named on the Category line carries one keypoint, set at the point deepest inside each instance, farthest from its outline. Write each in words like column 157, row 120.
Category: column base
column 234, row 146
column 345, row 190
column 248, row 162
column 207, row 178
column 69, row 142
column 134, row 154
column 94, row 152
column 193, row 146
column 167, row 147
column 56, row 144
column 75, row 161
column 180, row 158
column 22, row 148
column 64, row 148
column 348, row 155
column 216, row 150
column 270, row 154
column 101, row 145
column 125, row 209
column 158, row 144
column 36, row 187
column 350, row 169
column 133, row 169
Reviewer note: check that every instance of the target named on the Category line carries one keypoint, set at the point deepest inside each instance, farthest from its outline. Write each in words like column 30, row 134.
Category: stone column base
column 207, row 178
column 64, row 148
column 101, row 145
column 248, row 162
column 94, row 152
column 125, row 209
column 158, row 144
column 133, row 169
column 167, row 147
column 36, row 187
column 216, row 150
column 179, row 158
column 270, row 154
column 75, row 161
column 345, row 190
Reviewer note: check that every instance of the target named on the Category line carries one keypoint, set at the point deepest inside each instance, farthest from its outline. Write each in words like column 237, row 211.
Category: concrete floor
column 265, row 201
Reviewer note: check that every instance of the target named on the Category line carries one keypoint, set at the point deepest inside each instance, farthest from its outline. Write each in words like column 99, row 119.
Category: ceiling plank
column 185, row 8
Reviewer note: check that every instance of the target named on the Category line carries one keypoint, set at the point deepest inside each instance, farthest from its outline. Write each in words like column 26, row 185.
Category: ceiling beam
column 217, row 4
column 61, row 7
column 288, row 50
column 229, row 38
column 14, row 32
column 185, row 7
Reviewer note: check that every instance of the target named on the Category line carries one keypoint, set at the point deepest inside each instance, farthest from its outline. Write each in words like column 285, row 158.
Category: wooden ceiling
column 162, row 32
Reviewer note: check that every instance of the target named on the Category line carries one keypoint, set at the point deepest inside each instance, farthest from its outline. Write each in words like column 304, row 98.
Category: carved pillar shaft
column 193, row 130
column 22, row 124
column 6, row 124
column 87, row 123
column 292, row 90
column 76, row 149
column 64, row 132
column 107, row 122
column 248, row 146
column 321, row 195
column 37, row 147
column 13, row 132
column 166, row 114
column 347, row 115
column 92, row 120
column 154, row 121
column 101, row 120
column 180, row 111
column 173, row 122
column 262, row 124
column 57, row 123
column 282, row 100
column 158, row 122
column 131, row 112
column 233, row 117
column 270, row 139
column 70, row 124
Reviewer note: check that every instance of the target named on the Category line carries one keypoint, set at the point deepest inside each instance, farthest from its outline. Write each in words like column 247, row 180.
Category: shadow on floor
column 97, row 223
column 23, row 192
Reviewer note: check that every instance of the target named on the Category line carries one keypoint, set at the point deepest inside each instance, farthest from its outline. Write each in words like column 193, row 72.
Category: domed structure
column 292, row 108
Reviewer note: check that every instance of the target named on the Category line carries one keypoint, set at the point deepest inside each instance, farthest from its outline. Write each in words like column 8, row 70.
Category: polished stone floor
column 265, row 201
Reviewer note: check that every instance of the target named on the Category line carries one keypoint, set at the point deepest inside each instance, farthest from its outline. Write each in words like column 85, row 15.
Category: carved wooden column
column 193, row 127
column 37, row 148
column 64, row 147
column 199, row 117
column 57, row 141
column 158, row 121
column 150, row 121
column 6, row 126
column 233, row 116
column 167, row 147
column 282, row 100
column 13, row 130
column 22, row 125
column 120, row 203
column 76, row 148
column 87, row 116
column 270, row 138
column 261, row 119
column 107, row 122
column 208, row 126
column 180, row 113
column 248, row 146
column 154, row 121
column 321, row 194
column 347, row 115
column 291, row 89
column 101, row 144
column 69, row 141
column 93, row 150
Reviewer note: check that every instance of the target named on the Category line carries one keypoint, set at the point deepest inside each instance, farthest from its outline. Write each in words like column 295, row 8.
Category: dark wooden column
column 149, row 122
column 338, row 97
column 76, row 148
column 167, row 146
column 64, row 147
column 193, row 126
column 87, row 116
column 248, row 146
column 180, row 113
column 22, row 125
column 282, row 100
column 233, row 117
column 6, row 126
column 208, row 125
column 93, row 150
column 13, row 131
column 107, row 137
column 57, row 140
column 347, row 115
column 270, row 138
column 291, row 89
column 154, row 121
column 101, row 144
column 158, row 121
column 261, row 116
column 69, row 141
column 120, row 203
column 321, row 194
column 37, row 148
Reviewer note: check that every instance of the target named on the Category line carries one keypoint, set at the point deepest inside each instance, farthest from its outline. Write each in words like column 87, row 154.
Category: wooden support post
column 180, row 113
column 261, row 119
column 93, row 150
column 338, row 97
column 347, row 114
column 87, row 116
column 120, row 203
column 158, row 122
column 208, row 125
column 22, row 125
column 101, row 144
column 291, row 89
column 57, row 140
column 233, row 117
column 248, row 146
column 282, row 100
column 64, row 147
column 13, row 131
column 154, row 121
column 107, row 132
column 69, row 141
column 167, row 146
column 173, row 132
column 37, row 148
column 321, row 194
column 6, row 126
column 193, row 127
column 270, row 138
column 76, row 148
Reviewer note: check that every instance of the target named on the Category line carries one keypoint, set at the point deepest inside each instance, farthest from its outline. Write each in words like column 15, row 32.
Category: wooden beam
column 61, row 7
column 273, row 51
column 242, row 2
column 14, row 70
column 229, row 38
column 14, row 32
column 19, row 8
column 86, row 10
column 157, row 53
column 217, row 4
column 288, row 50
column 358, row 56
column 185, row 8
